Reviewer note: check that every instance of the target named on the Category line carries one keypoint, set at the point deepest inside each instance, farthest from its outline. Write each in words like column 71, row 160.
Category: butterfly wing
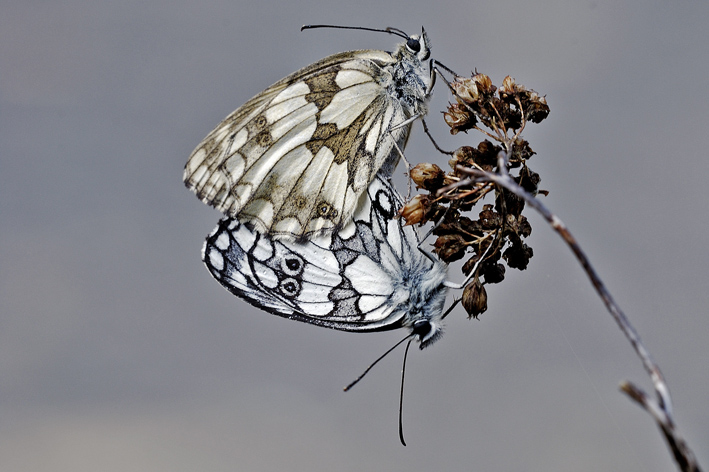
column 368, row 277
column 294, row 160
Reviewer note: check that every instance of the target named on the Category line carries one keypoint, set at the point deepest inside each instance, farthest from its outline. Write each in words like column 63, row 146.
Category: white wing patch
column 349, row 104
column 370, row 276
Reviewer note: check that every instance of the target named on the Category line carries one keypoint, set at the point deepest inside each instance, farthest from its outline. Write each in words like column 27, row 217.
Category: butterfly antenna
column 389, row 30
column 375, row 362
column 401, row 396
column 397, row 31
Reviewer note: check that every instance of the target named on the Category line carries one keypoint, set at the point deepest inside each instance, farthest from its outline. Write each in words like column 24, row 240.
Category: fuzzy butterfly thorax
column 409, row 85
column 295, row 160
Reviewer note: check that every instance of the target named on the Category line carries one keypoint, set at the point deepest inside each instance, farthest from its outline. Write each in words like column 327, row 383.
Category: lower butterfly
column 370, row 276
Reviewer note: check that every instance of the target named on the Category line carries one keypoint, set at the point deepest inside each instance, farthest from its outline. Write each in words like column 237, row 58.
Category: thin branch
column 661, row 410
column 497, row 113
column 680, row 451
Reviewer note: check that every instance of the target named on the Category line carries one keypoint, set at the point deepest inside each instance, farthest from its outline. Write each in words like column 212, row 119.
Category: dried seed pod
column 493, row 273
column 474, row 298
column 466, row 90
column 414, row 210
column 459, row 118
column 427, row 176
column 484, row 85
column 450, row 247
column 537, row 108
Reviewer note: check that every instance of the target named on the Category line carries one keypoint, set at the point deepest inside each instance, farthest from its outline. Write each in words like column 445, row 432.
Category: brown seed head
column 414, row 210
column 466, row 90
column 450, row 247
column 474, row 298
column 484, row 84
column 459, row 118
column 427, row 176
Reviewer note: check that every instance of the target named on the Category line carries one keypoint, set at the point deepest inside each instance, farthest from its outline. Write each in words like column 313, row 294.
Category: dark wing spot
column 264, row 139
column 293, row 264
column 260, row 122
column 290, row 287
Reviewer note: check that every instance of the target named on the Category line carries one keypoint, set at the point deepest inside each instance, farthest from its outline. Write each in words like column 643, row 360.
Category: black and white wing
column 370, row 276
column 294, row 160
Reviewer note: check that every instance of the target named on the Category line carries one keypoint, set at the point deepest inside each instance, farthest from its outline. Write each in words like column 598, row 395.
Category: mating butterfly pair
column 302, row 172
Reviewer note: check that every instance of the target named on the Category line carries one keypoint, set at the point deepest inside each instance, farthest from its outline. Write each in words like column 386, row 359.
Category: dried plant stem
column 660, row 409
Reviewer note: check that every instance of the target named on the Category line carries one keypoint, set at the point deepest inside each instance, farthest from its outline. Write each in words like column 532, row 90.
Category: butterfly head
column 428, row 332
column 424, row 306
column 419, row 46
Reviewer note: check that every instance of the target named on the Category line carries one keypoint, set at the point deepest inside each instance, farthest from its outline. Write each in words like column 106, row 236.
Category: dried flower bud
column 470, row 264
column 493, row 273
column 459, row 118
column 520, row 152
column 427, row 176
column 414, row 211
column 474, row 298
column 525, row 229
column 463, row 154
column 537, row 109
column 528, row 180
column 489, row 219
column 518, row 255
column 466, row 91
column 486, row 157
column 484, row 84
column 450, row 247
column 513, row 205
column 509, row 87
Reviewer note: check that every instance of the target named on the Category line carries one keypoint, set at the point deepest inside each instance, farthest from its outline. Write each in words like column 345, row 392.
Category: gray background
column 119, row 352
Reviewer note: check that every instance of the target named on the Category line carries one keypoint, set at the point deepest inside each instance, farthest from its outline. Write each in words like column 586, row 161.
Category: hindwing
column 370, row 276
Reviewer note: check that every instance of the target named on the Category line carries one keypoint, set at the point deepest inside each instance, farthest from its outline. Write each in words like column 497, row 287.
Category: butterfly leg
column 433, row 141
column 406, row 163
column 444, row 67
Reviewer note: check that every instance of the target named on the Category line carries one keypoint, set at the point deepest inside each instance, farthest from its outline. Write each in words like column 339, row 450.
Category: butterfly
column 370, row 276
column 296, row 158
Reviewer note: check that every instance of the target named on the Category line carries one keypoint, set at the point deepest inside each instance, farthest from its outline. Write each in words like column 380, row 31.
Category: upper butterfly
column 295, row 159
column 371, row 276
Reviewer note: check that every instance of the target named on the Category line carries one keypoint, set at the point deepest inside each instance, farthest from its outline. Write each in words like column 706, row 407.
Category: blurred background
column 118, row 351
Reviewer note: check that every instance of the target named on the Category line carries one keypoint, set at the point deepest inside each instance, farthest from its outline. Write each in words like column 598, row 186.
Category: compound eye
column 421, row 328
column 413, row 44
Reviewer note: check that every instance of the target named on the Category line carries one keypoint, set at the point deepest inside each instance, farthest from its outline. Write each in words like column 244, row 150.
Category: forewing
column 295, row 159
